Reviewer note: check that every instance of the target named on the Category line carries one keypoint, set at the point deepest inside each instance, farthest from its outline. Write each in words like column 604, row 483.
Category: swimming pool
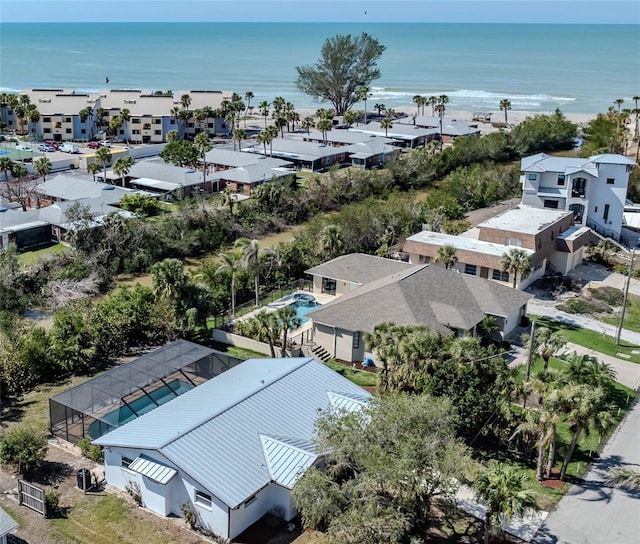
column 137, row 407
column 303, row 309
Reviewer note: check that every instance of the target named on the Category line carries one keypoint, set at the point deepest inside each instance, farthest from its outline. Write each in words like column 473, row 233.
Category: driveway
column 593, row 513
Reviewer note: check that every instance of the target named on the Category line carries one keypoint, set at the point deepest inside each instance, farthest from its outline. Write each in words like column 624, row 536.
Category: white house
column 233, row 447
column 594, row 189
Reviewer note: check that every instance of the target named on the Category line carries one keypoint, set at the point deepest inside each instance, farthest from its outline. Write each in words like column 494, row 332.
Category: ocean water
column 577, row 68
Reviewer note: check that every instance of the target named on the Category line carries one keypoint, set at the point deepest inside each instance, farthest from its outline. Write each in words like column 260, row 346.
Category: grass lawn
column 359, row 377
column 109, row 519
column 631, row 316
column 591, row 339
column 29, row 258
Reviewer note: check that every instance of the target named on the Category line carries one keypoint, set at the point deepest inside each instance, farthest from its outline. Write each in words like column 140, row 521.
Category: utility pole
column 529, row 359
column 626, row 294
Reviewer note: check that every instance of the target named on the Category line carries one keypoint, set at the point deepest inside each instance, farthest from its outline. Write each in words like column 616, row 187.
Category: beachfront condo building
column 594, row 189
column 135, row 116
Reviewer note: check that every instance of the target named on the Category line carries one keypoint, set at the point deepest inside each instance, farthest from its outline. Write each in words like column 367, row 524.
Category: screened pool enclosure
column 130, row 390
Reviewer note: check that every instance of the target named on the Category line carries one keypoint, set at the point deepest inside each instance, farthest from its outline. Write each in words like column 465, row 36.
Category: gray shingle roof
column 213, row 431
column 75, row 188
column 234, row 159
column 358, row 268
column 426, row 295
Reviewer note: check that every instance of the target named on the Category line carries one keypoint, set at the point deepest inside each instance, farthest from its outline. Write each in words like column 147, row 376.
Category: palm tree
column 42, row 167
column 624, row 477
column 251, row 252
column 331, row 241
column 386, row 124
column 203, row 145
column 588, row 370
column 228, row 199
column 248, row 96
column 185, row 101
column 418, row 100
column 505, row 105
column 265, row 325
column 263, row 108
column 546, row 343
column 363, row 94
column 618, row 102
column 288, row 320
column 33, row 115
column 168, row 279
column 307, row 124
column 432, row 101
column 516, row 262
column 443, row 100
column 503, row 490
column 173, row 136
column 447, row 256
column 636, row 111
column 6, row 164
column 440, row 109
column 324, row 126
column 122, row 166
column 590, row 410
column 239, row 134
column 125, row 117
column 175, row 114
column 272, row 134
column 379, row 107
column 231, row 263
column 85, row 115
column 93, row 168
column 263, row 138
column 103, row 157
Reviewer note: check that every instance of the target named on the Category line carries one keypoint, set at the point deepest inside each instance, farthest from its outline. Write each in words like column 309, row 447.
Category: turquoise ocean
column 577, row 68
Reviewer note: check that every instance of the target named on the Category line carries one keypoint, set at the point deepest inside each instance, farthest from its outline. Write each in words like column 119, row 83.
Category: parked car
column 52, row 143
column 94, row 145
column 70, row 147
column 24, row 147
column 46, row 148
column 105, row 143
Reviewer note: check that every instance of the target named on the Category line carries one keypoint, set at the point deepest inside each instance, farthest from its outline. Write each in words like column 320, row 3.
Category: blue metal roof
column 213, row 432
column 152, row 469
column 7, row 523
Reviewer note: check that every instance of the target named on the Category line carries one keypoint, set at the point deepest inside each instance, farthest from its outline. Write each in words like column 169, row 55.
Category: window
column 157, row 121
column 552, row 235
column 172, row 121
column 83, row 131
column 250, row 500
column 67, row 131
column 134, row 131
column 424, row 259
column 157, row 132
column 500, row 275
column 46, row 119
column 135, row 121
column 513, row 242
column 356, row 340
column 533, row 177
column 329, row 286
column 67, row 119
column 203, row 499
column 470, row 269
column 561, row 179
column 605, row 215
column 551, row 204
column 125, row 461
column 610, row 181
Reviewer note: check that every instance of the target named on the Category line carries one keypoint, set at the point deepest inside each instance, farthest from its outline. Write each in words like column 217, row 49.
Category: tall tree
column 505, row 105
column 122, row 167
column 263, row 108
column 345, row 66
column 432, row 101
column 546, row 343
column 251, row 252
column 364, row 93
column 93, row 168
column 287, row 320
column 42, row 167
column 517, row 262
column 103, row 158
column 447, row 256
column 231, row 264
column 503, row 490
column 386, row 124
column 248, row 96
column 125, row 117
column 6, row 165
column 331, row 241
column 202, row 144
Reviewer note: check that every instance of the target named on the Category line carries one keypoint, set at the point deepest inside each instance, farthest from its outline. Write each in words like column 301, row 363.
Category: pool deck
column 283, row 303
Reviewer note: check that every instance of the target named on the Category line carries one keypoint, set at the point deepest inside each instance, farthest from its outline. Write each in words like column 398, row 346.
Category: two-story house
column 593, row 189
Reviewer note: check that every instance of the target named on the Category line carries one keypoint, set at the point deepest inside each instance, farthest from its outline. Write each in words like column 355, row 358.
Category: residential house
column 339, row 137
column 548, row 237
column 371, row 154
column 162, row 178
column 403, row 135
column 304, row 155
column 594, row 189
column 232, row 448
column 451, row 128
column 65, row 187
column 7, row 526
column 403, row 294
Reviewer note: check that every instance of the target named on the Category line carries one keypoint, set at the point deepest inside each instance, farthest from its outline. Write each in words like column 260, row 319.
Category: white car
column 105, row 143
column 24, row 147
column 46, row 148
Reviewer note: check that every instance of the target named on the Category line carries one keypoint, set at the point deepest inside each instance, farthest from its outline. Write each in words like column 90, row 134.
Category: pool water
column 304, row 309
column 139, row 406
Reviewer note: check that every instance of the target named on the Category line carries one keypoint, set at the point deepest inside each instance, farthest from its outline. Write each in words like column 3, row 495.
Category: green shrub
column 52, row 501
column 24, row 447
column 584, row 306
column 610, row 295
column 89, row 450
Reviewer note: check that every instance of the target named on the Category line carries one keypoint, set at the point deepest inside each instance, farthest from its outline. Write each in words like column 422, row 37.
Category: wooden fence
column 32, row 497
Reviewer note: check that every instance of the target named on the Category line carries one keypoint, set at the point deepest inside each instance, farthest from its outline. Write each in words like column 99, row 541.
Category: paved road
column 593, row 513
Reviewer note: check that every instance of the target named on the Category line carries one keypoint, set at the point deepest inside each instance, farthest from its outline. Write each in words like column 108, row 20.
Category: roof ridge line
column 205, row 420
column 275, row 439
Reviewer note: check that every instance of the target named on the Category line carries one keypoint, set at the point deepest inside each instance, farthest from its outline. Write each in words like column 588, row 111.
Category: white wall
column 241, row 341
column 602, row 193
column 272, row 495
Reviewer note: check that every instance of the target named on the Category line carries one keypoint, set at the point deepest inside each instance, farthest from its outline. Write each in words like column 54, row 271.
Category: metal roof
column 212, row 433
column 7, row 523
column 287, row 459
column 152, row 469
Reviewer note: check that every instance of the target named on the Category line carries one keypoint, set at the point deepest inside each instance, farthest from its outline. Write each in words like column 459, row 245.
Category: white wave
column 478, row 94
column 9, row 90
column 467, row 96
column 87, row 91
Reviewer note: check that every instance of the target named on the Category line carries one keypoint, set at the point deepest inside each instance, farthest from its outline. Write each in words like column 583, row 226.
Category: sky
column 437, row 11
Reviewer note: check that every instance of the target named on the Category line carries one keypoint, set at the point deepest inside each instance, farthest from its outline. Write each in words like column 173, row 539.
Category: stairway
column 318, row 352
